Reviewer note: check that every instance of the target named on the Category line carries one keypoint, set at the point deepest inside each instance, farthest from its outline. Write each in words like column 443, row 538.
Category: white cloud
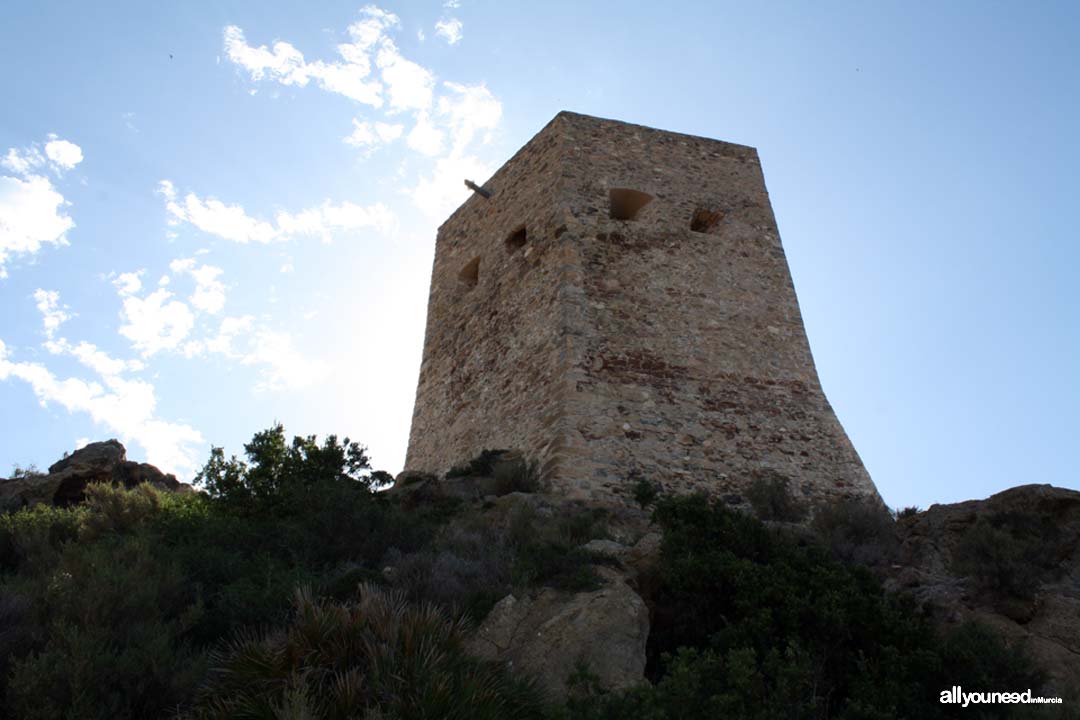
column 231, row 222
column 425, row 138
column 60, row 155
column 286, row 65
column 155, row 323
column 94, row 358
column 410, row 85
column 128, row 283
column 209, row 295
column 127, row 407
column 467, row 110
column 23, row 161
column 370, row 136
column 328, row 219
column 215, row 217
column 63, row 154
column 31, row 208
column 31, row 215
column 450, row 30
column 281, row 365
column 448, row 118
column 52, row 314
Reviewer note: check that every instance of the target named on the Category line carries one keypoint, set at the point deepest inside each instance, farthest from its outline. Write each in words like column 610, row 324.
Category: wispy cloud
column 155, row 322
column 209, row 294
column 32, row 210
column 53, row 314
column 273, row 352
column 450, row 30
column 126, row 406
column 349, row 76
column 447, row 117
column 369, row 136
column 231, row 222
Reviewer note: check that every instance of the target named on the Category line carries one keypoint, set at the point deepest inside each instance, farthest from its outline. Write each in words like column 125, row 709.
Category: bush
column 858, row 531
column 379, row 657
column 464, row 571
column 113, row 619
column 1007, row 554
column 645, row 492
column 112, row 509
column 771, row 498
column 748, row 623
column 32, row 538
column 479, row 465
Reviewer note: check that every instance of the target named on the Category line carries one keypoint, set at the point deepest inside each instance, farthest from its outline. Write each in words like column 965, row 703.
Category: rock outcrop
column 66, row 480
column 554, row 634
column 1011, row 561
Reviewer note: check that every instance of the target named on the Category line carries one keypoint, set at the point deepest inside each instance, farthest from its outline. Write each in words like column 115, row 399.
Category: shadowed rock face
column 964, row 560
column 66, row 481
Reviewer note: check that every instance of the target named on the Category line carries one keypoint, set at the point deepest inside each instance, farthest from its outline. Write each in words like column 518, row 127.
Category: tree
column 277, row 472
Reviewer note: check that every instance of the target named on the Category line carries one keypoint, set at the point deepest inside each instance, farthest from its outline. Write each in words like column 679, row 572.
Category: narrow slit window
column 516, row 240
column 627, row 203
column 705, row 220
column 470, row 274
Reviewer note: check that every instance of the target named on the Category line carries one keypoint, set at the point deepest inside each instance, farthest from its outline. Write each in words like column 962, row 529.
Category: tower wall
column 668, row 346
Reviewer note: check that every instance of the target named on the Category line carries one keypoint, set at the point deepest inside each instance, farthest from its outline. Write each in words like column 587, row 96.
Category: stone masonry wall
column 668, row 346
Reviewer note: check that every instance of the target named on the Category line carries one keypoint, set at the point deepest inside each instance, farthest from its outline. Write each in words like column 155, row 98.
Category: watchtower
column 620, row 307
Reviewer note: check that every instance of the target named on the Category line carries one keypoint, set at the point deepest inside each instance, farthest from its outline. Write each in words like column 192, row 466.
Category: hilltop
column 293, row 583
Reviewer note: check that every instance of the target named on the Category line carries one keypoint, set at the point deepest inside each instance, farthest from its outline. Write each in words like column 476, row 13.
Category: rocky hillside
column 65, row 482
column 539, row 606
column 1011, row 561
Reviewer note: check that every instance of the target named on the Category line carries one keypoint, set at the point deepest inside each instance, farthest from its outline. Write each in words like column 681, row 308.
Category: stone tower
column 620, row 307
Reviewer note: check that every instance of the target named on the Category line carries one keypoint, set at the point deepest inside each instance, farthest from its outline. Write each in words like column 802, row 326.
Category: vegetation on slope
column 268, row 596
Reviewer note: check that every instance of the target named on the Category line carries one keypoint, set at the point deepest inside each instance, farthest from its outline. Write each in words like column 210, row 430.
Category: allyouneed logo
column 956, row 695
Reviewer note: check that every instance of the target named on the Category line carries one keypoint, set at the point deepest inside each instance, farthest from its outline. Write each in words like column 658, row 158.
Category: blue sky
column 218, row 215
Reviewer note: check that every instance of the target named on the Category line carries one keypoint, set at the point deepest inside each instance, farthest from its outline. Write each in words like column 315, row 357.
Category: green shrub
column 30, row 471
column 1007, row 554
column 34, row 536
column 646, row 492
column 749, row 623
column 515, row 477
column 113, row 619
column 858, row 531
column 378, row 657
column 112, row 509
column 908, row 512
column 548, row 551
column 771, row 498
column 278, row 474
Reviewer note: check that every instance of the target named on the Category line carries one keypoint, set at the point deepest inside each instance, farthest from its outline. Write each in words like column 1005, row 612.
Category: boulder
column 65, row 483
column 552, row 634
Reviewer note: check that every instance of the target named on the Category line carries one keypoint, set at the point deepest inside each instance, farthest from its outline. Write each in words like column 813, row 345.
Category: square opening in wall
column 627, row 203
column 516, row 239
column 705, row 220
column 470, row 274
